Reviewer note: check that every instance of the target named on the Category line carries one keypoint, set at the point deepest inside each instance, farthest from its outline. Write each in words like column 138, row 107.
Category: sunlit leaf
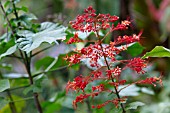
column 158, row 51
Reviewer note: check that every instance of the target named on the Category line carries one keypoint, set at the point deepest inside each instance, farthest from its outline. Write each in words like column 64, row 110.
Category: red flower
column 137, row 64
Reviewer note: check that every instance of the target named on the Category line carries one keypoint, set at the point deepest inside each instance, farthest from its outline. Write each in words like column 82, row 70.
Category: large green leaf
column 4, row 84
column 134, row 105
column 158, row 51
column 48, row 32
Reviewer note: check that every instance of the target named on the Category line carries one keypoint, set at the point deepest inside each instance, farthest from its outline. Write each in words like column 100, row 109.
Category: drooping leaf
column 4, row 84
column 135, row 49
column 49, row 32
column 134, row 105
column 9, row 51
column 158, row 51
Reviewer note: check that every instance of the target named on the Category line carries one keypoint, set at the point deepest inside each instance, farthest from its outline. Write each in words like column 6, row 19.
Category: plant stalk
column 108, row 67
column 28, row 68
column 27, row 61
column 11, row 103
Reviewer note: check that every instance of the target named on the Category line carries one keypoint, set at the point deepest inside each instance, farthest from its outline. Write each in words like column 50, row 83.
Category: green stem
column 28, row 68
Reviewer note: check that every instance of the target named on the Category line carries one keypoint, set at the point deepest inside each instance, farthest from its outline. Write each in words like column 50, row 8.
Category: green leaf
column 9, row 10
column 134, row 105
column 132, row 90
column 44, row 63
column 9, row 51
column 7, row 3
column 23, row 8
column 147, row 91
column 4, row 84
column 135, row 49
column 6, row 36
column 3, row 102
column 48, row 32
column 158, row 51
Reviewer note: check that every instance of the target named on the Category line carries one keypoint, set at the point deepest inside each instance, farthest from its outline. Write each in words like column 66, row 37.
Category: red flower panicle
column 137, row 64
column 91, row 22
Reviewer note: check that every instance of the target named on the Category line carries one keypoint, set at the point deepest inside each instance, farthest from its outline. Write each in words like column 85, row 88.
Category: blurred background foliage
column 153, row 16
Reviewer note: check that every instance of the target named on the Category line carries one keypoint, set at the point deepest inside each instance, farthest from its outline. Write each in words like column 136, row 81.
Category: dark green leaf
column 134, row 105
column 158, row 51
column 4, row 84
column 44, row 63
column 9, row 11
column 135, row 49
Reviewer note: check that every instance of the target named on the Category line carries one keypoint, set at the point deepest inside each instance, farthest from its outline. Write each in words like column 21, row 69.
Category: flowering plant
column 89, row 21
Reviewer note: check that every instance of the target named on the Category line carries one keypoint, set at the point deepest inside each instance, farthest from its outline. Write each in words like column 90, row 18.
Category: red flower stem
column 117, row 93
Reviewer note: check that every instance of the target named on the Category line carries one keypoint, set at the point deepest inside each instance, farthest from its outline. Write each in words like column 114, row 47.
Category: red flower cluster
column 97, row 52
column 74, row 39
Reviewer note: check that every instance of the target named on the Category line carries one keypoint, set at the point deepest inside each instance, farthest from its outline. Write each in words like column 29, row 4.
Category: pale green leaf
column 49, row 32
column 158, row 51
column 3, row 102
column 9, row 51
column 134, row 105
column 4, row 84
column 147, row 91
column 132, row 90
